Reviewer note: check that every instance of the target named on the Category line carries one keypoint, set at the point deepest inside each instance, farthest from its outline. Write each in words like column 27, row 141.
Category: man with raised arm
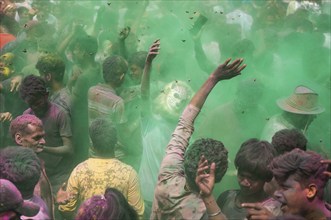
column 177, row 194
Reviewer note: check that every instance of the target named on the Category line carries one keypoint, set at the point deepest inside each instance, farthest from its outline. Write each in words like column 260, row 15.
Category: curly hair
column 254, row 156
column 305, row 166
column 21, row 122
column 214, row 151
column 112, row 68
column 103, row 135
column 138, row 59
column 22, row 167
column 33, row 87
column 52, row 64
column 287, row 139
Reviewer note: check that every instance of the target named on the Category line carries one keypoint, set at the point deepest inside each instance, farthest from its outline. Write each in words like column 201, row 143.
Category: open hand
column 328, row 172
column 5, row 116
column 62, row 196
column 124, row 33
column 15, row 83
column 229, row 70
column 257, row 211
column 153, row 51
column 204, row 180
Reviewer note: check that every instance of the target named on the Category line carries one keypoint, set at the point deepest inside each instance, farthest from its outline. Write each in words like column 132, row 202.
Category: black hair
column 254, row 156
column 22, row 167
column 305, row 166
column 119, row 206
column 286, row 140
column 113, row 67
column 111, row 205
column 214, row 151
column 32, row 87
column 52, row 64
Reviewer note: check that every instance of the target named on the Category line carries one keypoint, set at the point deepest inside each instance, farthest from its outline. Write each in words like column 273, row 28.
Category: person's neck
column 293, row 119
column 86, row 64
column 317, row 211
column 57, row 86
column 113, row 86
column 27, row 196
column 256, row 197
column 104, row 156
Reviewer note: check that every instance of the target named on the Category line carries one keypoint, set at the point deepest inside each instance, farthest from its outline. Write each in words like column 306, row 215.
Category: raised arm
column 173, row 161
column 145, row 81
column 224, row 71
column 204, row 63
column 124, row 33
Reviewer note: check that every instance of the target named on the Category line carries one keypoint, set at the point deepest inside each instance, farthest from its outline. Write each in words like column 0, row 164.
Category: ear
column 122, row 76
column 48, row 77
column 311, row 191
column 18, row 138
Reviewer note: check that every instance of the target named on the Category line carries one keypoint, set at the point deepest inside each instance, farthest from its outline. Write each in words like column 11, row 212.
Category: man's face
column 306, row 120
column 38, row 105
column 33, row 138
column 249, row 183
column 78, row 54
column 292, row 196
column 136, row 73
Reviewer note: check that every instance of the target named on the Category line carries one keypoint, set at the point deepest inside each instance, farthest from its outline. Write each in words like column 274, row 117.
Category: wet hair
column 22, row 167
column 103, row 135
column 33, row 87
column 119, row 206
column 305, row 166
column 111, row 205
column 112, row 68
column 254, row 156
column 52, row 64
column 138, row 59
column 21, row 122
column 286, row 140
column 214, row 151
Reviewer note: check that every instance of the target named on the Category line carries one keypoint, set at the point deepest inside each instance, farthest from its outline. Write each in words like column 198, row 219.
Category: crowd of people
column 99, row 106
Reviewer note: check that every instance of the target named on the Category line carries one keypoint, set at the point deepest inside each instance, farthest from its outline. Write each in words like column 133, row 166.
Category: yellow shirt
column 95, row 175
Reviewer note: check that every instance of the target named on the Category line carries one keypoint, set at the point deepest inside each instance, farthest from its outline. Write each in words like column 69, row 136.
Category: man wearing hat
column 299, row 110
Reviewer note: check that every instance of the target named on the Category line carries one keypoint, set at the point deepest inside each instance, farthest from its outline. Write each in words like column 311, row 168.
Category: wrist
column 208, row 199
column 214, row 79
column 214, row 213
column 148, row 62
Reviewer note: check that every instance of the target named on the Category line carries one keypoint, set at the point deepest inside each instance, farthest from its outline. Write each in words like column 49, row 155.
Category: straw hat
column 302, row 101
column 11, row 199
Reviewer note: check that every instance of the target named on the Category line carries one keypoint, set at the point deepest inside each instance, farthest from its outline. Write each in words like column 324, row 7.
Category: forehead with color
column 21, row 123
